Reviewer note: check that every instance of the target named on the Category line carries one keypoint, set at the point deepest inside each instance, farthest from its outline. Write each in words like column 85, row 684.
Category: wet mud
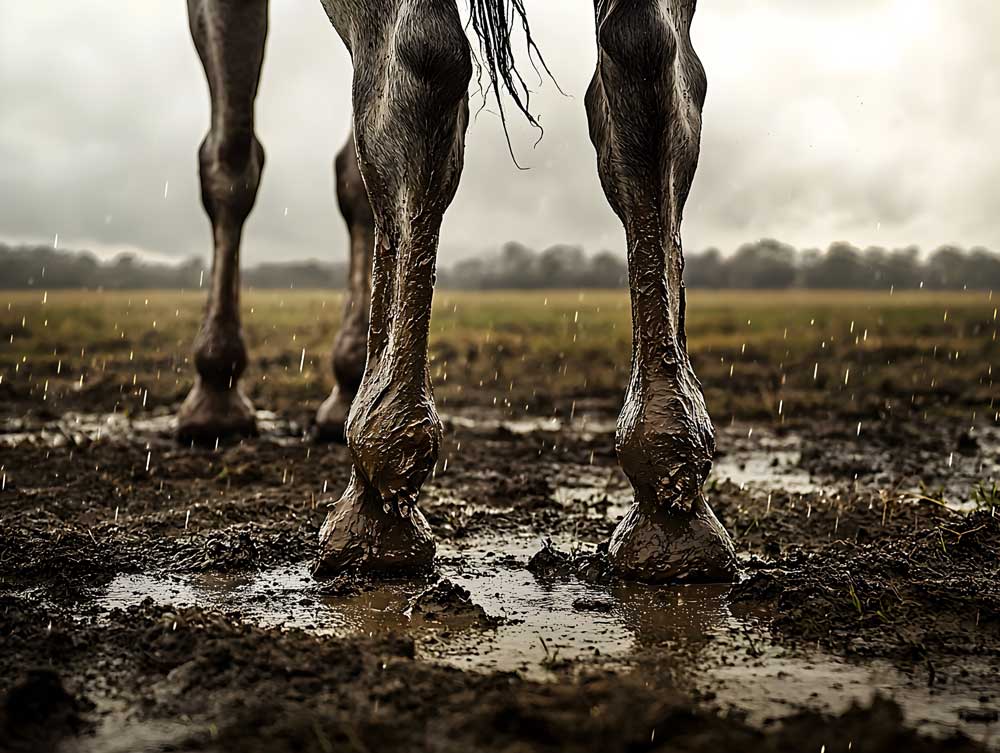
column 157, row 596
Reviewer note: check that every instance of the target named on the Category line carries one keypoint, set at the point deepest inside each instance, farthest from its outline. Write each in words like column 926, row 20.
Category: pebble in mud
column 593, row 604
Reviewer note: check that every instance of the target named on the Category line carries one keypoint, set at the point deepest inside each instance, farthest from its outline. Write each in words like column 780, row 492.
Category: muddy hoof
column 665, row 546
column 331, row 418
column 208, row 414
column 358, row 535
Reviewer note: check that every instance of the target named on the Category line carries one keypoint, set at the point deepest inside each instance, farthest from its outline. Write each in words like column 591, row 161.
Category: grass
column 776, row 355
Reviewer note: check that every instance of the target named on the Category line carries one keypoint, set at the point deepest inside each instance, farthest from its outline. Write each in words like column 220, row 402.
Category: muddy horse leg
column 644, row 109
column 351, row 343
column 229, row 36
column 412, row 67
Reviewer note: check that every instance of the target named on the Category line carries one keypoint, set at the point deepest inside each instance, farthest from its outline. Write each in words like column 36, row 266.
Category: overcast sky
column 871, row 121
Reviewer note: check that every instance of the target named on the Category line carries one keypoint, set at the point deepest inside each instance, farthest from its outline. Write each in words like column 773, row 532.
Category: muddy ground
column 157, row 597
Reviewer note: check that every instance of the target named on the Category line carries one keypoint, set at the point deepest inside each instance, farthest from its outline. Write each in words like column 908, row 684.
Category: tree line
column 766, row 264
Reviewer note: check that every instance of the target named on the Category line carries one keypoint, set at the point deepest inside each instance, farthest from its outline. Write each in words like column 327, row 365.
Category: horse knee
column 637, row 39
column 220, row 354
column 430, row 44
column 231, row 161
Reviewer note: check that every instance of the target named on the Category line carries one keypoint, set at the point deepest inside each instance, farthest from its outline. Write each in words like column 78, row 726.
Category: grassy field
column 788, row 355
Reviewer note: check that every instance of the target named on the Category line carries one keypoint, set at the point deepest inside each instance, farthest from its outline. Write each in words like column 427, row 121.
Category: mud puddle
column 543, row 628
column 583, row 426
column 511, row 621
column 769, row 464
column 759, row 460
column 762, row 460
column 156, row 429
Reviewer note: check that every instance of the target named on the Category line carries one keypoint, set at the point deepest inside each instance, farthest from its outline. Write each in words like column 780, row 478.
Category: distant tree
column 903, row 270
column 518, row 267
column 875, row 260
column 467, row 274
column 766, row 264
column 705, row 270
column 607, row 271
column 561, row 263
column 841, row 266
column 982, row 270
column 946, row 268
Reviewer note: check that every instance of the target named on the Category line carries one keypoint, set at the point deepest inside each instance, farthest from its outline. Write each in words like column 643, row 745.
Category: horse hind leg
column 229, row 36
column 644, row 109
column 351, row 344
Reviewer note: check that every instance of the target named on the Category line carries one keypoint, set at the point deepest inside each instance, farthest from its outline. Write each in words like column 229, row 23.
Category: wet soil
column 157, row 597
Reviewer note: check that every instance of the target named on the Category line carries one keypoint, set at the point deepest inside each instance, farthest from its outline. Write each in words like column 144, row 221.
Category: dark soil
column 225, row 685
column 864, row 566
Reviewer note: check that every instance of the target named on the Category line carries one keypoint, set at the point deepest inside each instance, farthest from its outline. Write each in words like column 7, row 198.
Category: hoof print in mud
column 666, row 546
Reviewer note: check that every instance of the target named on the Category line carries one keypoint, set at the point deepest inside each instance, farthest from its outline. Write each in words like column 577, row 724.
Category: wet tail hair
column 493, row 24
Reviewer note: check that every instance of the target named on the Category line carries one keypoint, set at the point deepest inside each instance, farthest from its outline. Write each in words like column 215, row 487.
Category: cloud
column 870, row 121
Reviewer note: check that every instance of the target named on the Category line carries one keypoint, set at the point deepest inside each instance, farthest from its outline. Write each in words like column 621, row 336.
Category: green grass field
column 782, row 355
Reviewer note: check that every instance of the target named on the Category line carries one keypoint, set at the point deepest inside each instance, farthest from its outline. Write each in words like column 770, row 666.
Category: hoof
column 208, row 414
column 358, row 535
column 331, row 418
column 668, row 546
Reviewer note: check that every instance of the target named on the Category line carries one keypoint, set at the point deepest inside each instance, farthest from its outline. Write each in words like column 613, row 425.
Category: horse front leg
column 644, row 110
column 229, row 36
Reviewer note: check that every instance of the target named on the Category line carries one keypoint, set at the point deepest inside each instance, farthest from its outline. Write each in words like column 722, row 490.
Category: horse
column 396, row 176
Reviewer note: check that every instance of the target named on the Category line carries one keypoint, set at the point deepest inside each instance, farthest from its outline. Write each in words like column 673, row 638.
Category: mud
column 158, row 596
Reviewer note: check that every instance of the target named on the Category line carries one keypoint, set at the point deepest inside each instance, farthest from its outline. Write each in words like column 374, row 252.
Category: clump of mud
column 552, row 562
column 593, row 604
column 38, row 711
column 447, row 600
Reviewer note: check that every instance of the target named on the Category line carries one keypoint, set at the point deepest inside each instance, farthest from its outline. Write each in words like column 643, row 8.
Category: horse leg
column 412, row 67
column 229, row 36
column 644, row 110
column 351, row 343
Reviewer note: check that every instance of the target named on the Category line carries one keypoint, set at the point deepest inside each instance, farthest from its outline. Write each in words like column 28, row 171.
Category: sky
column 868, row 121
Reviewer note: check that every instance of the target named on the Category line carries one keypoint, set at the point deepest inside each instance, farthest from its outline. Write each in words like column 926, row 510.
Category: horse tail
column 493, row 22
